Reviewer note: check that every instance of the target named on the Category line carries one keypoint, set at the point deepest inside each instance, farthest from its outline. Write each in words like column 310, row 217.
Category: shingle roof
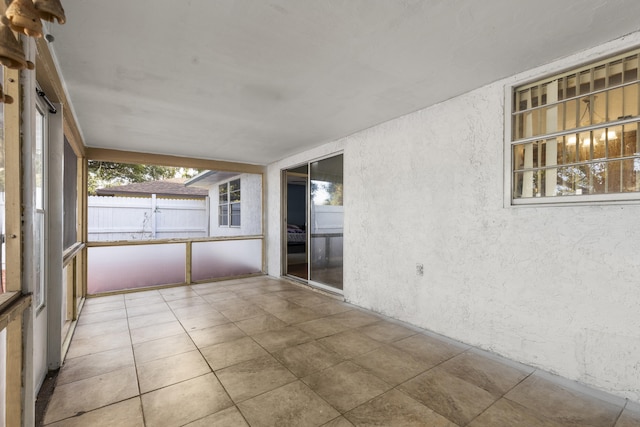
column 167, row 188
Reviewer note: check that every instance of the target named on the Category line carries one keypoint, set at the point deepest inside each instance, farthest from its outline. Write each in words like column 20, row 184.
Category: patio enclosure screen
column 144, row 260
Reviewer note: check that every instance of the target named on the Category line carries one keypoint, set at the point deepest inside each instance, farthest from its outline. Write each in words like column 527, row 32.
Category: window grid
column 229, row 204
column 577, row 133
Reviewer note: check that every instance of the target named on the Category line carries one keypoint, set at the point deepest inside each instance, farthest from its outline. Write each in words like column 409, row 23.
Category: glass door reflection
column 296, row 223
column 326, row 222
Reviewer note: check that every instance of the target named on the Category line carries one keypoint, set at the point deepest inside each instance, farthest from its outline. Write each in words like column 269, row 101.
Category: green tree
column 109, row 174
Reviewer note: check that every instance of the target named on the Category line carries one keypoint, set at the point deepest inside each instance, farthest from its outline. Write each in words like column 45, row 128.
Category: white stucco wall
column 250, row 207
column 553, row 287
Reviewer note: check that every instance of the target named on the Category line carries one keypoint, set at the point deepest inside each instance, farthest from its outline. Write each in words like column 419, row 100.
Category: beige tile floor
column 265, row 352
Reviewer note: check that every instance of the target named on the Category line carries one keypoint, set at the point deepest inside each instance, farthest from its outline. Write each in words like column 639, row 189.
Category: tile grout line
column 271, row 354
column 135, row 364
column 234, row 404
column 91, row 354
column 422, row 373
column 503, row 396
column 199, row 351
column 468, row 350
column 620, row 413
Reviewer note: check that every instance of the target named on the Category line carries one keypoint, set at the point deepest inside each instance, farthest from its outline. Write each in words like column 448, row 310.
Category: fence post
column 153, row 216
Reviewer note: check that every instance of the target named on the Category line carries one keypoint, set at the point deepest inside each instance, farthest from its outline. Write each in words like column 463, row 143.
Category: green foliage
column 109, row 174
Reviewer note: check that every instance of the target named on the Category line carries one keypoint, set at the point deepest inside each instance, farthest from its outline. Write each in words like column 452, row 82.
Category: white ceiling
column 257, row 80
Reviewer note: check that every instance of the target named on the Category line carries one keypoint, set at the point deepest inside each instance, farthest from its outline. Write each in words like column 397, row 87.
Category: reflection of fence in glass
column 225, row 258
column 114, row 268
column 326, row 250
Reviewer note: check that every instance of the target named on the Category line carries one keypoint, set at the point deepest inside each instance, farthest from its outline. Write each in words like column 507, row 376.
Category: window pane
column 615, row 73
column 631, row 68
column 522, row 100
column 614, row 101
column 582, row 176
column 39, row 260
column 631, row 101
column 585, row 82
column 571, row 90
column 70, row 194
column 584, row 149
column 565, row 181
column 223, row 215
column 571, row 114
column 235, row 214
column 599, row 77
column 599, row 110
column 234, row 185
column 570, row 149
column 559, row 116
column 533, row 128
column 39, row 160
column 540, row 154
column 598, row 183
column 560, row 150
column 518, row 156
column 518, row 126
column 599, row 145
column 540, row 183
column 543, row 115
column 234, row 196
column 613, row 139
column 518, row 182
column 631, row 175
column 573, row 180
column 223, row 194
column 614, row 178
column 534, row 97
column 631, row 143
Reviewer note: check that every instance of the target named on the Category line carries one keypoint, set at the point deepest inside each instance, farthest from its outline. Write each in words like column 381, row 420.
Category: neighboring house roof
column 165, row 188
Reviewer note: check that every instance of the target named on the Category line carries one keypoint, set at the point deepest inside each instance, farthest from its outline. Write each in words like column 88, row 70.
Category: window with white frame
column 229, row 204
column 575, row 135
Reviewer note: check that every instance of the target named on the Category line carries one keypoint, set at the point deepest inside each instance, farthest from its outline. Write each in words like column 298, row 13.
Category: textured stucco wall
column 250, row 207
column 553, row 287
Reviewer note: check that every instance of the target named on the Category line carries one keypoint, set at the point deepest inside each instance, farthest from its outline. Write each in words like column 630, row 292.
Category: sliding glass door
column 313, row 217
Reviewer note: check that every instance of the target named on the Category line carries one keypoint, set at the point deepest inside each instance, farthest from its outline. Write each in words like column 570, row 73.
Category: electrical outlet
column 420, row 269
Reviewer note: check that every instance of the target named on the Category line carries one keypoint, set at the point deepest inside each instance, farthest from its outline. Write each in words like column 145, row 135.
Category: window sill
column 602, row 199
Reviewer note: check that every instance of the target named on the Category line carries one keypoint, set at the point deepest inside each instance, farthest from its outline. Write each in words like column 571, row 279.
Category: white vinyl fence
column 146, row 218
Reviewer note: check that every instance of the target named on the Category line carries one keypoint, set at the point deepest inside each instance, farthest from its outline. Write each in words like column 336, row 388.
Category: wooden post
column 187, row 274
column 13, row 199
